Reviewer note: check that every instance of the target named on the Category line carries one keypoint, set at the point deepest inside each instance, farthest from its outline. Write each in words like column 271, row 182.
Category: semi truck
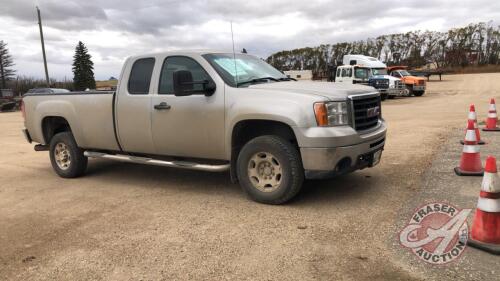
column 378, row 69
column 213, row 112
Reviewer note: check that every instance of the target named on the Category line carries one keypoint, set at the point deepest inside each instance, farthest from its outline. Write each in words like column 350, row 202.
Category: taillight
column 23, row 112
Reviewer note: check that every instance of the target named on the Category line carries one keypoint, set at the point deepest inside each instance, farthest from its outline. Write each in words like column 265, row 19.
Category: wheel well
column 52, row 125
column 246, row 130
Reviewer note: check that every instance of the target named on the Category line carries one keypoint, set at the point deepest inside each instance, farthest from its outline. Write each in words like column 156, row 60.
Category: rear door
column 191, row 126
column 133, row 106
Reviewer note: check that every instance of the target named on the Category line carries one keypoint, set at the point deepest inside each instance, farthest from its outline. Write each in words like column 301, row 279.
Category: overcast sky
column 115, row 29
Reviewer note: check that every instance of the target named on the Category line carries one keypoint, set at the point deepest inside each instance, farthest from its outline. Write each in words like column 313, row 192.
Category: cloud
column 115, row 29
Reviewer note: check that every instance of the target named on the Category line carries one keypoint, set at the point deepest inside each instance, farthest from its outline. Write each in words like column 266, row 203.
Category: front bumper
column 396, row 92
column 418, row 88
column 326, row 162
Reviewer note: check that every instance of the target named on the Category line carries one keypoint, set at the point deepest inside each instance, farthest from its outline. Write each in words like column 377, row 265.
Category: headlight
column 331, row 113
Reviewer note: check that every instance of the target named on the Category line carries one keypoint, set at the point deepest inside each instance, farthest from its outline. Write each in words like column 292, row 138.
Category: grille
column 380, row 83
column 360, row 106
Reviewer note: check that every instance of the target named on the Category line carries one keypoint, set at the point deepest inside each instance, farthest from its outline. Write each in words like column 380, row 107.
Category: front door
column 191, row 126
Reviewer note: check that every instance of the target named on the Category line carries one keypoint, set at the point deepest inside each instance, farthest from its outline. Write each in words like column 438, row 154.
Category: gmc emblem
column 372, row 112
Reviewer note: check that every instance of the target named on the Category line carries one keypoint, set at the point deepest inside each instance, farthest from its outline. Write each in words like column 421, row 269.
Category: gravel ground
column 132, row 222
column 441, row 184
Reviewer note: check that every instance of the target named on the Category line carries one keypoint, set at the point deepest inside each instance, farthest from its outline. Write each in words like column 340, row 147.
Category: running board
column 151, row 161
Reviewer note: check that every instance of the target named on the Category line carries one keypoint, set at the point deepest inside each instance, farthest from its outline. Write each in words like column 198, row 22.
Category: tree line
column 82, row 67
column 474, row 44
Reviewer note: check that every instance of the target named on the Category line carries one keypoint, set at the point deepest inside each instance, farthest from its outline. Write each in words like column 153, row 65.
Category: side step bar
column 151, row 161
column 41, row 147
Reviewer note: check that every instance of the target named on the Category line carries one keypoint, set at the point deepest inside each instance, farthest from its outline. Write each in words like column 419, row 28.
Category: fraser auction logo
column 436, row 233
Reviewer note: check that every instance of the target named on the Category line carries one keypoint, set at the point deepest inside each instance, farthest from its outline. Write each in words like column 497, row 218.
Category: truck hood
column 333, row 91
column 413, row 79
column 391, row 78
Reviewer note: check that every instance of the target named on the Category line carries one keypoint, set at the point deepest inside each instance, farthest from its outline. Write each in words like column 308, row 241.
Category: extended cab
column 211, row 111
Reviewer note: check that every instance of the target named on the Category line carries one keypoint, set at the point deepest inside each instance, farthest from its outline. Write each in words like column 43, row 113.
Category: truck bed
column 89, row 114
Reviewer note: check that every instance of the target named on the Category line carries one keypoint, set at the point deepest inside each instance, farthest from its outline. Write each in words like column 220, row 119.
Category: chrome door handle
column 162, row 106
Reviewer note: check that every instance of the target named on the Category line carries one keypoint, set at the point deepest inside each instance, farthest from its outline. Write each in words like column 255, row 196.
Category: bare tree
column 476, row 43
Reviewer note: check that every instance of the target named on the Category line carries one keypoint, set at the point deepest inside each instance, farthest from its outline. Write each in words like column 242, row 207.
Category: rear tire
column 66, row 157
column 419, row 93
column 391, row 97
column 270, row 170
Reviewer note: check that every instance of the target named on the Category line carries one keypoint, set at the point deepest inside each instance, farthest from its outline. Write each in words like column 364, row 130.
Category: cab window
column 343, row 72
column 140, row 76
column 173, row 64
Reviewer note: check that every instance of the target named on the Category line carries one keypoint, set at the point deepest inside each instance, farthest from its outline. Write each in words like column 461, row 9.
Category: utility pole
column 43, row 48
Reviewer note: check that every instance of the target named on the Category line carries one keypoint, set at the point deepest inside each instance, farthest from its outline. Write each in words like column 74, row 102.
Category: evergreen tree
column 83, row 68
column 6, row 72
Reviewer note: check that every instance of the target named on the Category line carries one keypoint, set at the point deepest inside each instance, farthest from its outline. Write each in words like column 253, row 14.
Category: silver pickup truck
column 213, row 111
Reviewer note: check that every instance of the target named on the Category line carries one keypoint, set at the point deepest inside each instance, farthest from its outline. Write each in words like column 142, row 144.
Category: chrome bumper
column 325, row 162
column 418, row 88
column 396, row 92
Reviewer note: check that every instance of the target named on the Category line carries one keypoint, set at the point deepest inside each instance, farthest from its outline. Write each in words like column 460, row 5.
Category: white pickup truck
column 214, row 112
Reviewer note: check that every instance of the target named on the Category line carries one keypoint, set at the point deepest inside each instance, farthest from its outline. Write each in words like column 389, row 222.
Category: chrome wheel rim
column 62, row 156
column 265, row 171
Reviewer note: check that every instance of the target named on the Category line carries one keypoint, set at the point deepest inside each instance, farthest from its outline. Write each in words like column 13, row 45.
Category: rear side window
column 140, row 76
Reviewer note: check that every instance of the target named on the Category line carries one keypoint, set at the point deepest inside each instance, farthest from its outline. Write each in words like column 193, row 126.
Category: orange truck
column 415, row 85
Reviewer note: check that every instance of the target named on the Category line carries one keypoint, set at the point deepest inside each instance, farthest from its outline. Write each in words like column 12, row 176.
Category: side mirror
column 184, row 84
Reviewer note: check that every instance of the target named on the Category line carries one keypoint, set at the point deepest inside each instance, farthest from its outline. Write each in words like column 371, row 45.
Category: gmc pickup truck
column 216, row 112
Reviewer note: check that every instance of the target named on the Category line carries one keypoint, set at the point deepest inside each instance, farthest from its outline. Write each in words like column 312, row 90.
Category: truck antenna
column 234, row 57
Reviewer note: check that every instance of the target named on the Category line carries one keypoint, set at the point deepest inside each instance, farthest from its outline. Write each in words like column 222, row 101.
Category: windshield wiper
column 257, row 80
column 287, row 79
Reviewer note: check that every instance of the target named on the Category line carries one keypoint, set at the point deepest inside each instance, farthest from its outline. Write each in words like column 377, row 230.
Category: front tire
column 410, row 90
column 66, row 157
column 418, row 93
column 270, row 170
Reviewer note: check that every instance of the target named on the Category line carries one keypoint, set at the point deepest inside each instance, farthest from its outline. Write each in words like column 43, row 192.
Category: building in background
column 299, row 74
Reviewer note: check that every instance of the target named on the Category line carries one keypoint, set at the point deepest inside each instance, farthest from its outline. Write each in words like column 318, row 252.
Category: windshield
column 404, row 73
column 244, row 69
column 361, row 73
column 379, row 71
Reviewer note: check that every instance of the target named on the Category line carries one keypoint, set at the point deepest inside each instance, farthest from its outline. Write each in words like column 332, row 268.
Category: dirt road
column 124, row 221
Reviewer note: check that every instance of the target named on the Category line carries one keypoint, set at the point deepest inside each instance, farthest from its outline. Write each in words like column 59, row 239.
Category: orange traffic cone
column 491, row 122
column 473, row 116
column 470, row 162
column 485, row 232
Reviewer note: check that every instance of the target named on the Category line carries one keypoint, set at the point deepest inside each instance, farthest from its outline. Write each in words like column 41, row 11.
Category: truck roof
column 363, row 60
column 397, row 67
column 182, row 52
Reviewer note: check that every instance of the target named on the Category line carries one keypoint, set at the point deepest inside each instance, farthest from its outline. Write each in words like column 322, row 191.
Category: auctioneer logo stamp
column 436, row 233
